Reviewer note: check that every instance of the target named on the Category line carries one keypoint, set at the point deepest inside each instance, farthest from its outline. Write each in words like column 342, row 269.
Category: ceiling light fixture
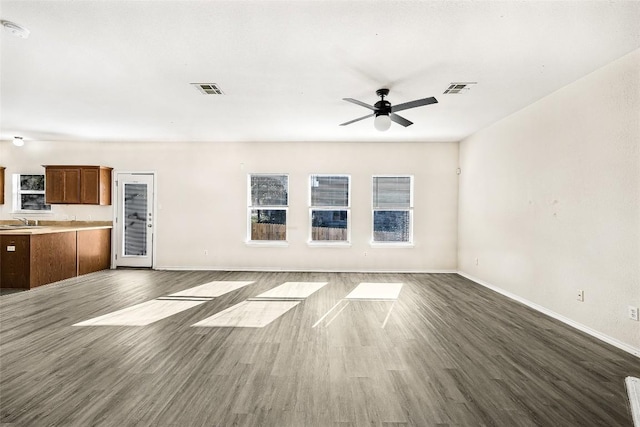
column 18, row 141
column 15, row 29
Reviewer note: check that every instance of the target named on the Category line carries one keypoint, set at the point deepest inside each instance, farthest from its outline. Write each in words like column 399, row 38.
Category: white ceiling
column 121, row 70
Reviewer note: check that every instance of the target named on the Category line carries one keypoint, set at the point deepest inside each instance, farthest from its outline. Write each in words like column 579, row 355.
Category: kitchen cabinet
column 93, row 250
column 88, row 185
column 32, row 259
column 62, row 185
column 1, row 185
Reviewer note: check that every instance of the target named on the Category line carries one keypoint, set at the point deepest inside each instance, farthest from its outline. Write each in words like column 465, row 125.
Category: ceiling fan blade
column 357, row 120
column 413, row 104
column 362, row 104
column 400, row 120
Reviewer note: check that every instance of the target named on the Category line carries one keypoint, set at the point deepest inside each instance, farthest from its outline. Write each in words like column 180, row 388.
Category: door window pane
column 135, row 219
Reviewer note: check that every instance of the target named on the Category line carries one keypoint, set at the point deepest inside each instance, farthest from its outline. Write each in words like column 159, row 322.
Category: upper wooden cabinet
column 1, row 185
column 62, row 185
column 88, row 185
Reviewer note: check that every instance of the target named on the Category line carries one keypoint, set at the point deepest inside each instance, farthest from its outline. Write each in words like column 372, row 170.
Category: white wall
column 550, row 202
column 202, row 197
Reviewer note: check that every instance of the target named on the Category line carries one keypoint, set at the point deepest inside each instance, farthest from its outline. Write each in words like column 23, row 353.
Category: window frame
column 312, row 208
column 250, row 207
column 17, row 193
column 410, row 209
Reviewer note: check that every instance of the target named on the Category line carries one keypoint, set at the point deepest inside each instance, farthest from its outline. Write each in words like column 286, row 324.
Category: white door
column 134, row 220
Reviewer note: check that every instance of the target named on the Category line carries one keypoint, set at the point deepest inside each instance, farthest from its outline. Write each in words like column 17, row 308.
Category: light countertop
column 13, row 229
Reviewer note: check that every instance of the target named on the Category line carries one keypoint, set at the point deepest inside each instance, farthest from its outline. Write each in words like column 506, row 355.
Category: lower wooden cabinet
column 28, row 261
column 93, row 250
column 14, row 261
column 53, row 258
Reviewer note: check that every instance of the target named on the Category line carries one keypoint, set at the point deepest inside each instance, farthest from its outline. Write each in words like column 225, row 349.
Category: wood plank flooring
column 447, row 352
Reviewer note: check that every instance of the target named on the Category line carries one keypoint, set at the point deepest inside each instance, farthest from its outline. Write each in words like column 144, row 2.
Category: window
column 329, row 208
column 29, row 193
column 392, row 209
column 268, row 202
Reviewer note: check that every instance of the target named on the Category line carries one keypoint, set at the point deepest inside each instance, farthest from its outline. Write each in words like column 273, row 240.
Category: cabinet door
column 54, row 189
column 14, row 257
column 90, row 186
column 72, row 186
column 62, row 185
column 94, row 250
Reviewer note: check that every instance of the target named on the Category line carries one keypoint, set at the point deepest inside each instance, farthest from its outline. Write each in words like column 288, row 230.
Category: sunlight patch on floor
column 141, row 314
column 163, row 307
column 378, row 291
column 249, row 314
column 292, row 290
column 212, row 289
column 633, row 389
column 364, row 292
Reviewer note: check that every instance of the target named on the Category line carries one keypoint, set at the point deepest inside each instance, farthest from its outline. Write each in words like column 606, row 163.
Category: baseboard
column 297, row 270
column 599, row 335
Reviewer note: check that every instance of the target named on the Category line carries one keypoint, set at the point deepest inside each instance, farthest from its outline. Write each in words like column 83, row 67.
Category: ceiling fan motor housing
column 382, row 107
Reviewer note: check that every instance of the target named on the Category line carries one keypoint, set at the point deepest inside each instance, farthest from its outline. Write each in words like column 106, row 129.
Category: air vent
column 458, row 87
column 208, row 88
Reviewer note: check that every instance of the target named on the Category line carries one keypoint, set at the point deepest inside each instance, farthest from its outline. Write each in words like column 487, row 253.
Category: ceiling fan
column 385, row 113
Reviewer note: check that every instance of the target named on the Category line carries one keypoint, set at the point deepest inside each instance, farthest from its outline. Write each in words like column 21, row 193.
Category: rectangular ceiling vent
column 208, row 88
column 459, row 87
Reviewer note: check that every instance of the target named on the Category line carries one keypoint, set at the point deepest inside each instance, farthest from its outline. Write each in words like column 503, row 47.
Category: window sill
column 267, row 243
column 394, row 245
column 31, row 213
column 329, row 244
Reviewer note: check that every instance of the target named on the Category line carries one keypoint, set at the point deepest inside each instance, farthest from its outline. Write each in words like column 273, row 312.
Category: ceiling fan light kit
column 18, row 141
column 382, row 122
column 385, row 113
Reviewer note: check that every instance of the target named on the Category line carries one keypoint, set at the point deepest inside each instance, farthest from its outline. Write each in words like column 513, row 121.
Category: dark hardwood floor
column 451, row 353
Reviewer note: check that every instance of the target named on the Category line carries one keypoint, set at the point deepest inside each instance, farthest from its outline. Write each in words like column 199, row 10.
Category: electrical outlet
column 580, row 296
column 633, row 313
column 206, row 252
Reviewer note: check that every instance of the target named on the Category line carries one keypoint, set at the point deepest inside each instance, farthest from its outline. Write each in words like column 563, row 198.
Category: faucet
column 23, row 220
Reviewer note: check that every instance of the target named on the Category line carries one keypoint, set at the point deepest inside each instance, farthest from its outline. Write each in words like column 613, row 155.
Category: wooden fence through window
column 260, row 231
